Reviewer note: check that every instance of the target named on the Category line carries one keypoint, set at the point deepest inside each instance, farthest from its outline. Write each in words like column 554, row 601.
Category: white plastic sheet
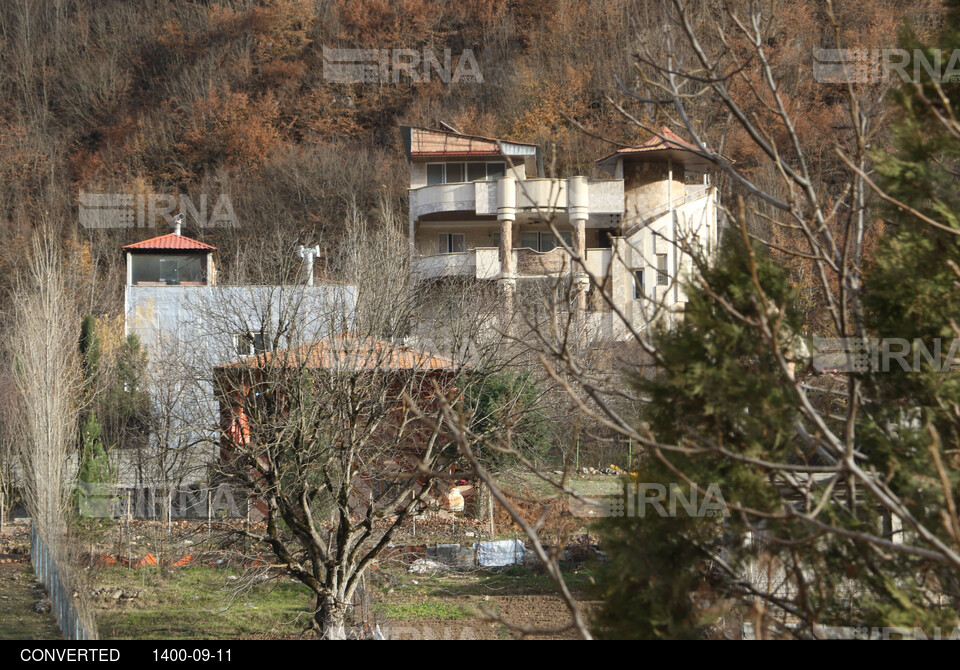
column 499, row 554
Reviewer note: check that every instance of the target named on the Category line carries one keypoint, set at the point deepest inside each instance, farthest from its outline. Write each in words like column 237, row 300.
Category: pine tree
column 719, row 394
column 714, row 376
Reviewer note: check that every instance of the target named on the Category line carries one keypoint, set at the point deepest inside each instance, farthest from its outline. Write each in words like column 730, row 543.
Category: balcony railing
column 446, row 265
column 484, row 263
column 480, row 197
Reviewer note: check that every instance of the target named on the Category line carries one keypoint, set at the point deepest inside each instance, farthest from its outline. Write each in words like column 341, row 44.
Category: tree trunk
column 331, row 618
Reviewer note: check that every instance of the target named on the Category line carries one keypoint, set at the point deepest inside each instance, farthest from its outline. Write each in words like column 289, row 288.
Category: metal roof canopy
column 427, row 143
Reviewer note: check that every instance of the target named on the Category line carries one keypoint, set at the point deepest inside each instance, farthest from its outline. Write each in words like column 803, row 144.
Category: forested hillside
column 205, row 98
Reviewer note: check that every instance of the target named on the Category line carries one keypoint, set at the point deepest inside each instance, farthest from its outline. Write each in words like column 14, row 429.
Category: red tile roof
column 670, row 140
column 169, row 242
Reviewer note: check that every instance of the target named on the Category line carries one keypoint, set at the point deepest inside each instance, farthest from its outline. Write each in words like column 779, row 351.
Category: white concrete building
column 480, row 208
column 188, row 324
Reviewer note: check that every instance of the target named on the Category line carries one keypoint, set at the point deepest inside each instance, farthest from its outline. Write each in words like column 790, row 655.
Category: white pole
column 209, row 513
column 673, row 222
column 493, row 533
column 308, row 255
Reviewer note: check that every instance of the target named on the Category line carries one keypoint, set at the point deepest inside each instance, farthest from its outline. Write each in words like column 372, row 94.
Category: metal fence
column 61, row 598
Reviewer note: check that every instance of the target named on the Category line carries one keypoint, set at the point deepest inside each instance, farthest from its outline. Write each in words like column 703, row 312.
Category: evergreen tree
column 507, row 403
column 722, row 407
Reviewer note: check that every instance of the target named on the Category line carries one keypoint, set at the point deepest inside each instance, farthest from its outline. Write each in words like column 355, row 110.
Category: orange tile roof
column 670, row 145
column 169, row 242
column 670, row 140
column 349, row 352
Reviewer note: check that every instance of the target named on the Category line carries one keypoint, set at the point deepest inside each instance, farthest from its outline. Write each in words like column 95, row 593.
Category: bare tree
column 44, row 355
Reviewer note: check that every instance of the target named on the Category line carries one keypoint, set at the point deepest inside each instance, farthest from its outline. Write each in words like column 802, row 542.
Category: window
column 476, row 171
column 544, row 242
column 452, row 243
column 250, row 344
column 434, row 174
column 169, row 269
column 496, row 170
column 496, row 240
column 661, row 269
column 638, row 287
column 456, row 173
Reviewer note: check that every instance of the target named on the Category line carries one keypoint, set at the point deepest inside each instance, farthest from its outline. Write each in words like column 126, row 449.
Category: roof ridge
column 170, row 241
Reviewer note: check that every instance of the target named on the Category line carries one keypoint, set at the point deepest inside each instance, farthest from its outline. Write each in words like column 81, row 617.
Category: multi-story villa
column 482, row 208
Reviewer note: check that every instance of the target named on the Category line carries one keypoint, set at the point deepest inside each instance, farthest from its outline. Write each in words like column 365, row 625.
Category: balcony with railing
column 484, row 263
column 533, row 195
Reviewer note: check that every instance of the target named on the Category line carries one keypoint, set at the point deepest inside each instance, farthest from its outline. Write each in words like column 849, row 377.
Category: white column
column 211, row 276
column 676, row 241
column 506, row 215
column 579, row 209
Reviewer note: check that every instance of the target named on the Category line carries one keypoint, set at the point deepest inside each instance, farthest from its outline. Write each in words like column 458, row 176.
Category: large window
column 661, row 269
column 544, row 241
column 170, row 270
column 458, row 173
column 452, row 243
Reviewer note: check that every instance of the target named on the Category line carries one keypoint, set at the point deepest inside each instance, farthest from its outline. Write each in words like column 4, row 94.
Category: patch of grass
column 582, row 484
column 422, row 610
column 515, row 580
column 202, row 603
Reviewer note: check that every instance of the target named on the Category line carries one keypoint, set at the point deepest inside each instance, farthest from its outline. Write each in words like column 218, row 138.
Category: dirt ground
column 498, row 604
column 206, row 599
column 19, row 592
column 529, row 612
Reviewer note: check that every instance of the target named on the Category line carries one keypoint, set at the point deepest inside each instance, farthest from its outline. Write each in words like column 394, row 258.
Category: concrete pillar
column 506, row 215
column 676, row 241
column 211, row 271
column 506, row 248
column 579, row 210
column 619, row 277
